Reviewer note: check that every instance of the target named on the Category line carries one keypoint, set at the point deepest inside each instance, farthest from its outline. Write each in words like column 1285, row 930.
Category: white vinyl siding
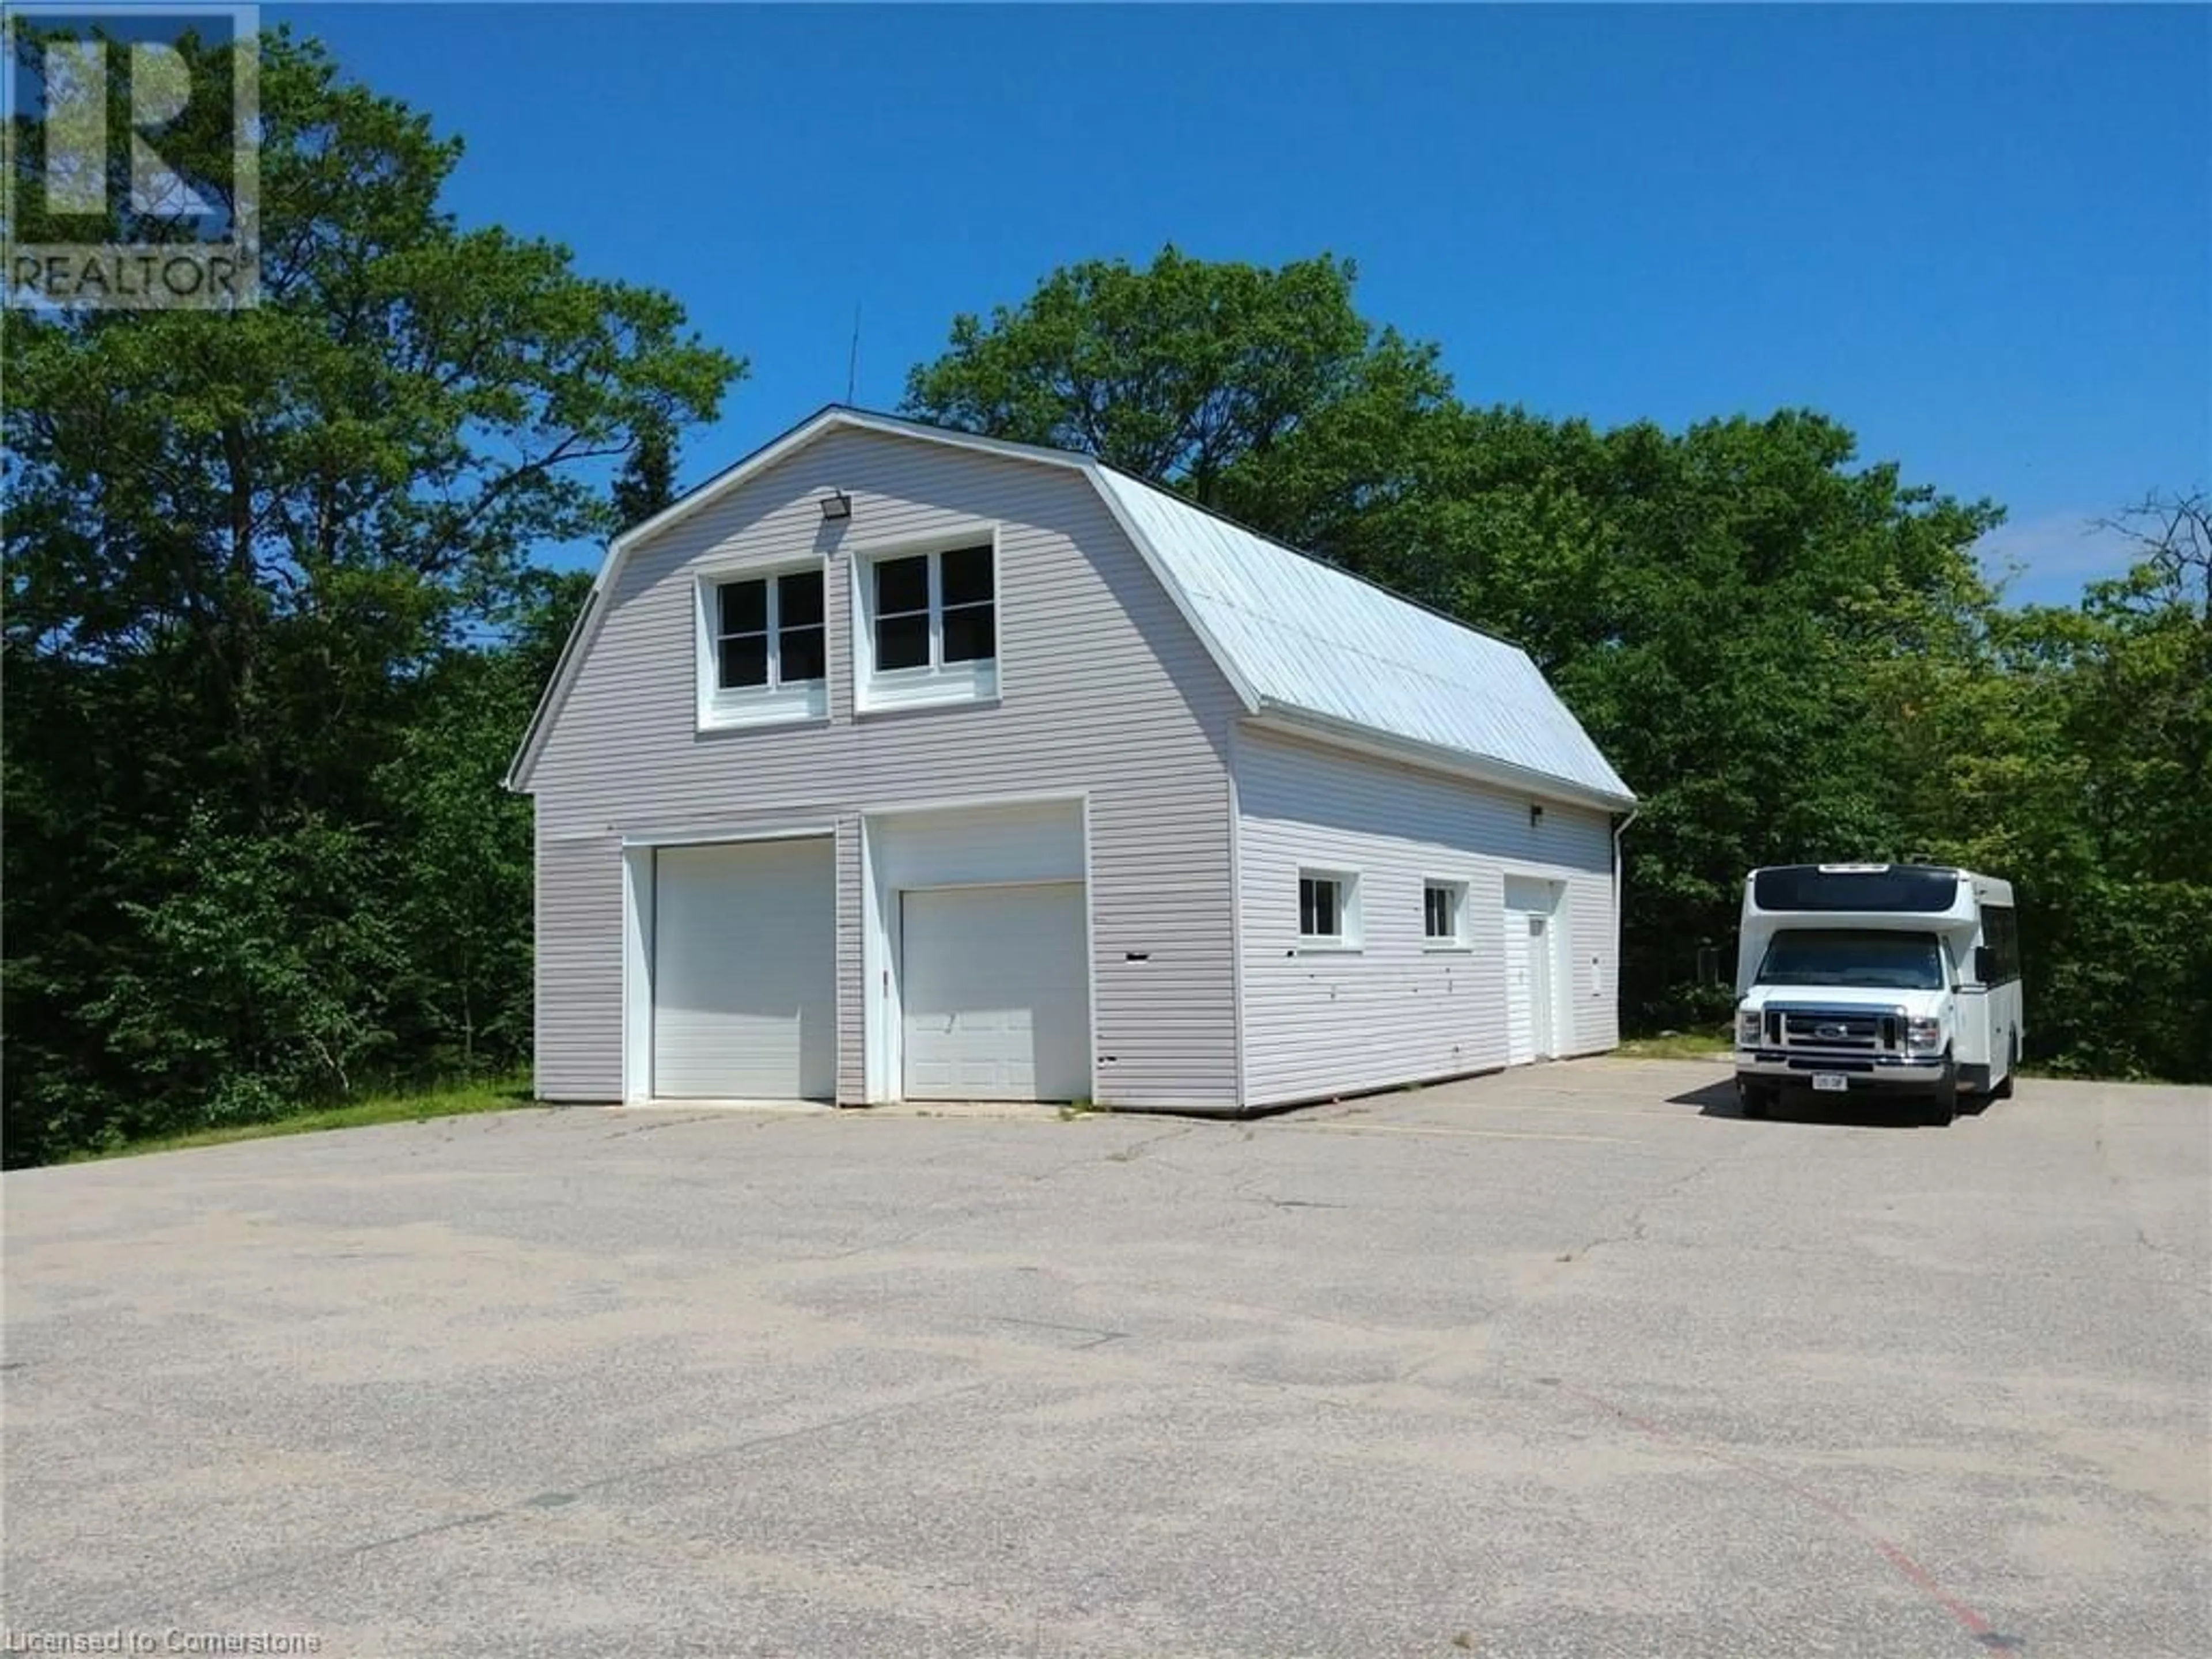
column 1400, row 1011
column 1108, row 693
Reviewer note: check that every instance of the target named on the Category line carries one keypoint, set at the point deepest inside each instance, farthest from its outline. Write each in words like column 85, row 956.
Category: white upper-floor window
column 928, row 625
column 763, row 647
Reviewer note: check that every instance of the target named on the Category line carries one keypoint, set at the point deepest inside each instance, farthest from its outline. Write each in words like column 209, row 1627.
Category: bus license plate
column 1831, row 1082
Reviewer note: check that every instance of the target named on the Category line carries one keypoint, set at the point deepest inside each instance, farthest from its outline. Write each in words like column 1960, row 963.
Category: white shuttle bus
column 1900, row 978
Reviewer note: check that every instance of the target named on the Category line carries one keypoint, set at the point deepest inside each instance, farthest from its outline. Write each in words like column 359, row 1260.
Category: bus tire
column 1941, row 1105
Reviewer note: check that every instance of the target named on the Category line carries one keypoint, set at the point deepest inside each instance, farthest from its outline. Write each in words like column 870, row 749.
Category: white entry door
column 995, row 986
column 1531, row 998
column 744, row 988
column 1520, row 993
column 1540, row 984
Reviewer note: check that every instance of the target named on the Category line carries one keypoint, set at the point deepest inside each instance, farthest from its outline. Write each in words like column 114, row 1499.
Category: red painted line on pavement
column 1912, row 1572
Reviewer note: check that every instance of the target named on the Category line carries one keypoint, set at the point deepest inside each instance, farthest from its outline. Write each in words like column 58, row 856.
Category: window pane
column 744, row 661
column 743, row 607
column 971, row 634
column 903, row 642
column 799, row 599
column 967, row 575
column 1317, row 907
column 800, row 655
column 902, row 584
column 1439, row 918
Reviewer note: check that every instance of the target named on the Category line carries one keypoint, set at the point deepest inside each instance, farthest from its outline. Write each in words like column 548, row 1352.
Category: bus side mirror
column 1985, row 964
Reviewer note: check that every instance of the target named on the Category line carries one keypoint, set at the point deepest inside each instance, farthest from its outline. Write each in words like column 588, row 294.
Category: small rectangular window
column 2000, row 932
column 1441, row 905
column 1328, row 908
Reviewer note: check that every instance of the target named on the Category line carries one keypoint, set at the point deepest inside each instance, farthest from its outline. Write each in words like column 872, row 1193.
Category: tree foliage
column 1180, row 370
column 1790, row 652
column 272, row 631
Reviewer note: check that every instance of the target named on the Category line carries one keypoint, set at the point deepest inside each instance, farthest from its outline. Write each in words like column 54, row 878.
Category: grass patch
column 497, row 1095
column 1678, row 1045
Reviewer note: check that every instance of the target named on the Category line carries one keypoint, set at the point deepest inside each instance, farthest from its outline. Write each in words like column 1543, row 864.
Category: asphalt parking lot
column 1570, row 1361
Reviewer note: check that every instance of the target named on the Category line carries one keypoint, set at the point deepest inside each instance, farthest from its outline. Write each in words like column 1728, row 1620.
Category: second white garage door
column 744, row 990
column 995, row 984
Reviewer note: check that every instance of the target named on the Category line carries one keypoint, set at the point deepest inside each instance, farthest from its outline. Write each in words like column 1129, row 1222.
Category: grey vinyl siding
column 579, row 1042
column 1396, row 1011
column 852, row 1017
column 1104, row 688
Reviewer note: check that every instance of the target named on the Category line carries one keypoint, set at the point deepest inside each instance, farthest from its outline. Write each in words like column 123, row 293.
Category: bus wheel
column 1941, row 1107
column 1753, row 1100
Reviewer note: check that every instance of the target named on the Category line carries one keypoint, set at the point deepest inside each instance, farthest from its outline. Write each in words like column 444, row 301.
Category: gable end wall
column 1104, row 691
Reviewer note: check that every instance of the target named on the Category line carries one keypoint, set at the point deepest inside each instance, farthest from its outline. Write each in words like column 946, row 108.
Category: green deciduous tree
column 266, row 573
column 1178, row 372
column 1788, row 652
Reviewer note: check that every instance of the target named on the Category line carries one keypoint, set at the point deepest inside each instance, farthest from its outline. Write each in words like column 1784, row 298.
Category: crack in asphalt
column 148, row 1613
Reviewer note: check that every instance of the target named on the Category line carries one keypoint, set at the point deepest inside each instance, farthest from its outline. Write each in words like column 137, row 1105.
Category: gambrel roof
column 1303, row 642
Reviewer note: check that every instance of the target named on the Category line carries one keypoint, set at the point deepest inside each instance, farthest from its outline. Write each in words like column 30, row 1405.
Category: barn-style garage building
column 896, row 763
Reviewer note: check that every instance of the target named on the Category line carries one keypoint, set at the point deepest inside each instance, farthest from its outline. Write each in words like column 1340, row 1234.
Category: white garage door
column 996, row 992
column 744, row 990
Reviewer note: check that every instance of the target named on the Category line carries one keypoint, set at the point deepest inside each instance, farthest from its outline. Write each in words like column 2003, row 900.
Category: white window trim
column 775, row 703
column 1457, row 940
column 1346, row 939
column 939, row 682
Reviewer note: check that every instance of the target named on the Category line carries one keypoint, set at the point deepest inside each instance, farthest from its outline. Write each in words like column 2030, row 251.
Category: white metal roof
column 1308, row 637
column 1296, row 637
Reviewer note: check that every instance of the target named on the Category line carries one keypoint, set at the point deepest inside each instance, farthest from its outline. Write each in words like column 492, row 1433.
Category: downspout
column 1618, row 829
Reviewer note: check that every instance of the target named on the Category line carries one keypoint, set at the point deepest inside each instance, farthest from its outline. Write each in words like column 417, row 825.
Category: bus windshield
column 1878, row 961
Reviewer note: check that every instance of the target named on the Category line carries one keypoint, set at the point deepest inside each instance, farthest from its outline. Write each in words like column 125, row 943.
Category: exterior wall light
column 836, row 505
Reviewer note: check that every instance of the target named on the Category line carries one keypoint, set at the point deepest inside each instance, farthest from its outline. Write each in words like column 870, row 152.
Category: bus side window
column 2000, row 929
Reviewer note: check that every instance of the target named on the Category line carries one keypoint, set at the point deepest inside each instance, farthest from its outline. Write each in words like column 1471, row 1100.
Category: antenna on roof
column 853, row 358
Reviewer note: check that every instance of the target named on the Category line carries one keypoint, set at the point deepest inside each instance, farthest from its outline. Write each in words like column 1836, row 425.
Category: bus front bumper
column 1883, row 1073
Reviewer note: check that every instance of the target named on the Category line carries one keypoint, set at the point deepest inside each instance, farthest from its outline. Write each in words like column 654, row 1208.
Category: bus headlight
column 1747, row 1028
column 1923, row 1037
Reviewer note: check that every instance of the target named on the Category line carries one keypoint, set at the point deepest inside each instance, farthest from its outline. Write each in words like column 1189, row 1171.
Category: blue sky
column 1980, row 236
